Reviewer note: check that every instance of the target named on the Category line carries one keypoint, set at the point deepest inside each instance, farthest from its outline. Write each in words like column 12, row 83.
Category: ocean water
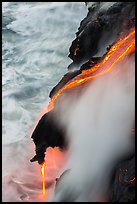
column 36, row 37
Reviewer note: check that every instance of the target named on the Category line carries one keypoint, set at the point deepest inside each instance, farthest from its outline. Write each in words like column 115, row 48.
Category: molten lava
column 43, row 179
column 117, row 51
column 120, row 49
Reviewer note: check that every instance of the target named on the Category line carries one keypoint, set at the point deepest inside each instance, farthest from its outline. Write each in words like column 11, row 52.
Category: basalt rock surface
column 102, row 26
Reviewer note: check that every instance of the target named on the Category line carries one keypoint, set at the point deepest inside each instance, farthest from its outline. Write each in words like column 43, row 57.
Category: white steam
column 101, row 5
column 98, row 126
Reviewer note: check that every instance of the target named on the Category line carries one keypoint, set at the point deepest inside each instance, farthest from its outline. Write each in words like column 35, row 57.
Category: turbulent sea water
column 36, row 37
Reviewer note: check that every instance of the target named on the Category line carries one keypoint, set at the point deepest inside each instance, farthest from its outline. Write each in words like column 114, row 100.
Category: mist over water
column 35, row 42
column 99, row 127
column 36, row 37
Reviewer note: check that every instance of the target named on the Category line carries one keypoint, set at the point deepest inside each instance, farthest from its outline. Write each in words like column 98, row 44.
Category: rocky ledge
column 105, row 23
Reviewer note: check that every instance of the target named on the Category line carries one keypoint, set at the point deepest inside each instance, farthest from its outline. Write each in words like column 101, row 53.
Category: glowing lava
column 117, row 51
column 120, row 49
column 43, row 179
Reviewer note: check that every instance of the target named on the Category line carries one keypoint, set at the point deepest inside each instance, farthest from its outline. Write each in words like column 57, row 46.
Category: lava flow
column 120, row 49
column 43, row 179
column 117, row 51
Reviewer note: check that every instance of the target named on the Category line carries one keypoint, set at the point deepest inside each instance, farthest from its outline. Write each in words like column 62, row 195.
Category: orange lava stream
column 43, row 179
column 118, row 50
column 109, row 54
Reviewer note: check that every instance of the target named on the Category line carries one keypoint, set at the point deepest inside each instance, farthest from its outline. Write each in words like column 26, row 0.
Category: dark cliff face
column 98, row 30
column 101, row 27
column 123, row 185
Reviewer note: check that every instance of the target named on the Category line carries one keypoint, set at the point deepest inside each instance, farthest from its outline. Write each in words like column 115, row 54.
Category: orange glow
column 43, row 179
column 109, row 54
column 119, row 50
